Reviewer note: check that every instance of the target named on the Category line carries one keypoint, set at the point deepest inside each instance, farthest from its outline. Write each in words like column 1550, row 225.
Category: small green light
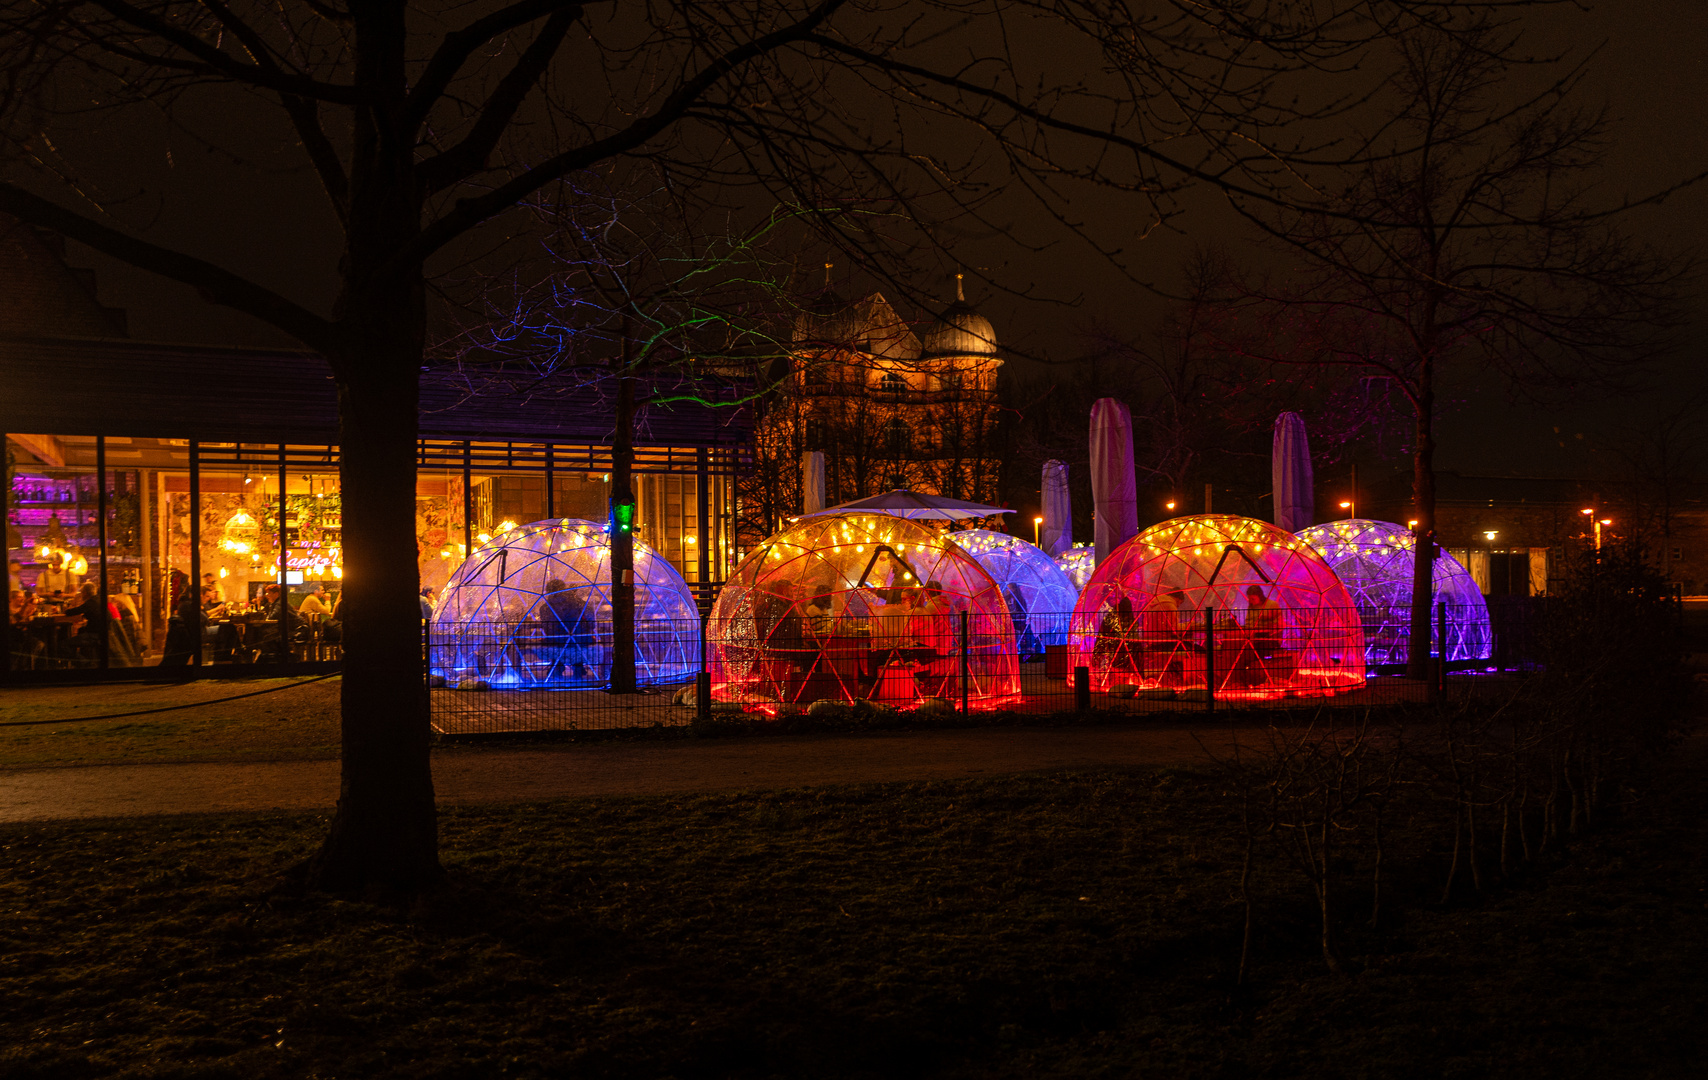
column 623, row 516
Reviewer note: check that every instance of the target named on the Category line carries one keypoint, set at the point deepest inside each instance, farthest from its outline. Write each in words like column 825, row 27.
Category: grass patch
column 299, row 722
column 1054, row 925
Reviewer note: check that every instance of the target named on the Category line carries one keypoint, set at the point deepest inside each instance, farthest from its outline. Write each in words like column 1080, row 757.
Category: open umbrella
column 916, row 506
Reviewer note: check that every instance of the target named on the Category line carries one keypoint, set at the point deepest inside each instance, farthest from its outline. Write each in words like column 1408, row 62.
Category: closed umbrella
column 812, row 482
column 1290, row 472
column 1058, row 509
column 1113, row 489
column 917, row 506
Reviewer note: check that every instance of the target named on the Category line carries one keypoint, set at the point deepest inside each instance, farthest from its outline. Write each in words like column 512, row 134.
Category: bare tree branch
column 220, row 285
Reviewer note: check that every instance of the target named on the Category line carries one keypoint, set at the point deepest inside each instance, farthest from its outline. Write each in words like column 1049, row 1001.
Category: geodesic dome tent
column 849, row 607
column 1078, row 563
column 1141, row 617
column 1374, row 560
column 531, row 609
column 1040, row 597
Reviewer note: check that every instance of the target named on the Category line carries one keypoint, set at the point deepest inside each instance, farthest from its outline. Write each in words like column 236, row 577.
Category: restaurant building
column 141, row 467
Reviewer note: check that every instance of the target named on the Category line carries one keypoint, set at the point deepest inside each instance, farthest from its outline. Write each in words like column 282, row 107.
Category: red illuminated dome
column 848, row 607
column 1284, row 624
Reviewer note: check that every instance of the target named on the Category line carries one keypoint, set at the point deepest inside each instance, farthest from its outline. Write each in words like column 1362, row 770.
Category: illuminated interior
column 847, row 607
column 1040, row 597
column 1140, row 619
column 531, row 609
column 1078, row 563
column 1374, row 560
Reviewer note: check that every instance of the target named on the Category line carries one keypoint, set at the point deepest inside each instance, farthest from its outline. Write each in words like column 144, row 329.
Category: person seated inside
column 315, row 603
column 27, row 647
column 183, row 632
column 278, row 634
column 94, row 616
column 1168, row 621
column 562, row 617
column 1263, row 620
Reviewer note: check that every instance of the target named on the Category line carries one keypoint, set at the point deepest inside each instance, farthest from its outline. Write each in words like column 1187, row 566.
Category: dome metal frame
column 1140, row 618
column 1374, row 560
column 500, row 622
column 839, row 607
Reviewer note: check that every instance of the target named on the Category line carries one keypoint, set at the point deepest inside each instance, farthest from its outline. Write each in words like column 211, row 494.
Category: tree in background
column 1469, row 232
column 426, row 126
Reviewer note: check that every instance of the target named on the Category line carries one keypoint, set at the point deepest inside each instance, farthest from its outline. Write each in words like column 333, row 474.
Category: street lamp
column 1037, row 524
column 1490, row 535
column 1348, row 506
column 1170, row 504
column 1597, row 523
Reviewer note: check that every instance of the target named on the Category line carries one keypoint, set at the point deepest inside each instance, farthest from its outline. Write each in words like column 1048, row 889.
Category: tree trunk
column 1423, row 494
column 623, row 544
column 385, row 832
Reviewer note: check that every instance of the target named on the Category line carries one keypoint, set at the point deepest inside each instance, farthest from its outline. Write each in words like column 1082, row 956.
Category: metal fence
column 929, row 662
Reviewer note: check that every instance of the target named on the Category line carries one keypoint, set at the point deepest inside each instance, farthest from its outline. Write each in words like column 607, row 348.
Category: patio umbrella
column 1058, row 509
column 1114, row 492
column 1290, row 472
column 916, row 506
column 812, row 482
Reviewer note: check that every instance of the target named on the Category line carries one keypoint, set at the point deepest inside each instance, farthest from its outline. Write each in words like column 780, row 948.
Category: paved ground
column 496, row 776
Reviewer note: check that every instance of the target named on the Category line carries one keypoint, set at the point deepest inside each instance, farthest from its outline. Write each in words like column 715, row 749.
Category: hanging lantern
column 241, row 533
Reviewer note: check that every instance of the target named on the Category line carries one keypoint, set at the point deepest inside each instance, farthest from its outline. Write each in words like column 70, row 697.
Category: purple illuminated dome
column 531, row 609
column 1374, row 560
column 1039, row 595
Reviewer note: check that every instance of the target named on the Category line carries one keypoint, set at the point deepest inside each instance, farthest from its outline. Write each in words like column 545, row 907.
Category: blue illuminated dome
column 531, row 609
column 1078, row 563
column 1374, row 560
column 1040, row 595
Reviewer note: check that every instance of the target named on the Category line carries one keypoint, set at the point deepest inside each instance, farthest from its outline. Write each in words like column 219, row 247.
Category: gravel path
column 650, row 768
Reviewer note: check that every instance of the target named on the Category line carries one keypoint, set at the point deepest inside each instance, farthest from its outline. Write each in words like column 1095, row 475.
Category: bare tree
column 1471, row 232
column 424, row 122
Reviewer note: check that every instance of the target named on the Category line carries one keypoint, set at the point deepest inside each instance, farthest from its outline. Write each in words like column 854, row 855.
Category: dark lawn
column 1057, row 925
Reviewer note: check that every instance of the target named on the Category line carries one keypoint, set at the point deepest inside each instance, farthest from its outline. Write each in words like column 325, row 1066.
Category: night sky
column 1653, row 70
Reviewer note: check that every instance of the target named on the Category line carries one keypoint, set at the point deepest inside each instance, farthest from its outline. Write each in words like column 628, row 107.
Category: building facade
column 886, row 406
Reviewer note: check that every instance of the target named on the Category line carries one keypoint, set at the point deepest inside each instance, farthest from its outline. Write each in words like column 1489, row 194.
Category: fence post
column 1210, row 659
column 703, row 681
column 426, row 661
column 1441, row 648
column 1082, row 689
column 966, row 662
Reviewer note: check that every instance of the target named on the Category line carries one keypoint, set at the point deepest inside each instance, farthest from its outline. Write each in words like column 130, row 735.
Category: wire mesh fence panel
column 925, row 658
column 547, row 674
